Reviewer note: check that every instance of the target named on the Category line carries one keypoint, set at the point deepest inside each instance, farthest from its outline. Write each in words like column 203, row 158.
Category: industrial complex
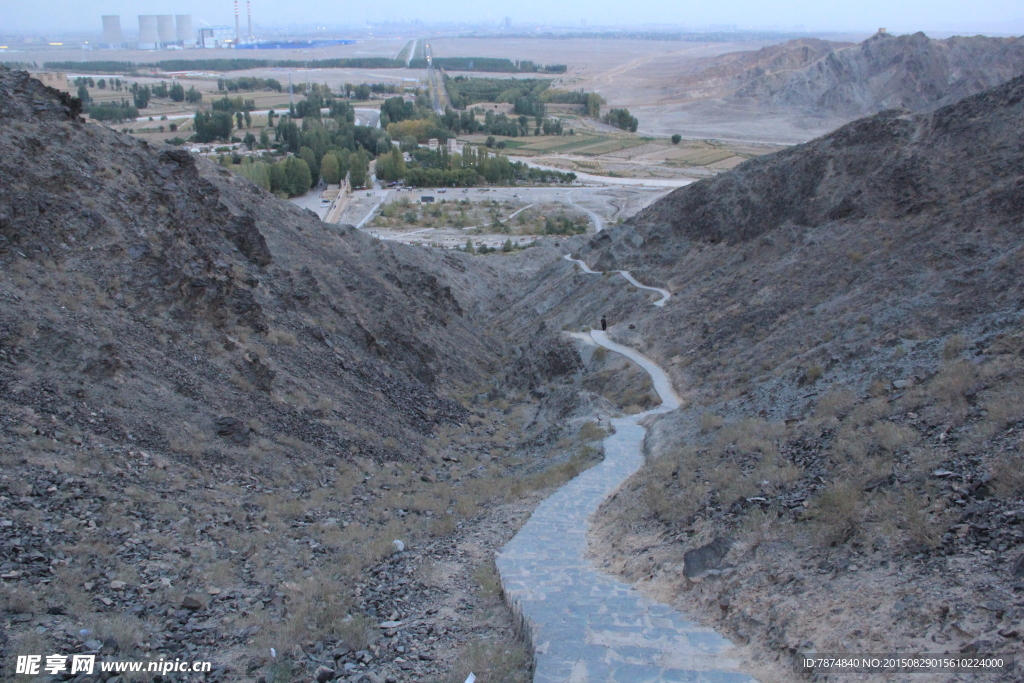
column 175, row 31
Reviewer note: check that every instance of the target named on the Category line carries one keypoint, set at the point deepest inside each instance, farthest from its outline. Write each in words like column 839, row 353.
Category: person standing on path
column 604, row 323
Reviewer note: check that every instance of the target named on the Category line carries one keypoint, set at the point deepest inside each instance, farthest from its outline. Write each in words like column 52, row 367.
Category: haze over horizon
column 943, row 16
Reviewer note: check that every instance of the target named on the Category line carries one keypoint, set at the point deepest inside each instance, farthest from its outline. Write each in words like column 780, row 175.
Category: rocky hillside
column 216, row 412
column 145, row 283
column 723, row 75
column 883, row 72
column 847, row 324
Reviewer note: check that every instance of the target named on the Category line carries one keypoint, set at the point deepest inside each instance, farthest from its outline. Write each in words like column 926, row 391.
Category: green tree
column 210, row 127
column 358, row 168
column 391, row 166
column 594, row 102
column 83, row 94
column 141, row 95
column 676, row 138
column 278, row 178
column 193, row 96
column 621, row 118
column 297, row 176
column 330, row 169
column 306, row 154
column 249, row 140
column 264, row 139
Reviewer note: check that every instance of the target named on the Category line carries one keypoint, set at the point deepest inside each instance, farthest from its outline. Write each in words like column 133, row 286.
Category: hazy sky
column 991, row 16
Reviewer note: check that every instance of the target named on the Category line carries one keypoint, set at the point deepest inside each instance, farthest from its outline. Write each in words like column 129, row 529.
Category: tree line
column 621, row 118
column 488, row 64
column 248, row 84
column 101, row 66
column 438, row 168
column 528, row 95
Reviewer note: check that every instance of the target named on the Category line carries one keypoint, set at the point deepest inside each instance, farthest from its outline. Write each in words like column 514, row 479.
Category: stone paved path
column 586, row 626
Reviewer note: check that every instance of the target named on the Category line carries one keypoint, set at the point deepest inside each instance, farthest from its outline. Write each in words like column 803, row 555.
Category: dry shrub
column 1005, row 406
column 813, row 374
column 442, row 526
column 731, row 483
column 1008, row 475
column 709, row 422
column 748, row 435
column 317, row 608
column 17, row 600
column 954, row 346
column 590, row 431
column 849, row 446
column 838, row 513
column 556, row 475
column 128, row 631
column 507, row 662
column 29, row 643
column 487, row 576
column 913, row 520
column 889, row 437
column 867, row 413
column 953, row 382
column 675, row 506
column 358, row 632
column 903, row 515
column 776, row 474
column 759, row 526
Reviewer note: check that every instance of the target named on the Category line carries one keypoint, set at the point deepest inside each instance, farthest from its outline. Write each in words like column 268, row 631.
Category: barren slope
column 886, row 72
column 846, row 322
column 191, row 292
column 215, row 410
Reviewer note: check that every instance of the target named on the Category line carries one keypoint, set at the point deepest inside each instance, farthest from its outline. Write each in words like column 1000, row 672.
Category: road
column 598, row 221
column 609, row 180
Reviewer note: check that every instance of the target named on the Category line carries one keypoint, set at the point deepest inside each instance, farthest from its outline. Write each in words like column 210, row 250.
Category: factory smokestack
column 238, row 26
column 248, row 9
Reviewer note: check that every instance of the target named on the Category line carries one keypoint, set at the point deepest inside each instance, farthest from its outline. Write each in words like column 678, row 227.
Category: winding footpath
column 665, row 294
column 586, row 626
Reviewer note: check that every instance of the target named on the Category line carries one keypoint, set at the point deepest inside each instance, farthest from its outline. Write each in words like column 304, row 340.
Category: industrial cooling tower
column 185, row 34
column 149, row 37
column 112, row 30
column 165, row 29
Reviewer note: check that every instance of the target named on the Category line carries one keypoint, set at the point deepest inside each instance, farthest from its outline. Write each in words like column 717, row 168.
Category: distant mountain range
column 848, row 80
